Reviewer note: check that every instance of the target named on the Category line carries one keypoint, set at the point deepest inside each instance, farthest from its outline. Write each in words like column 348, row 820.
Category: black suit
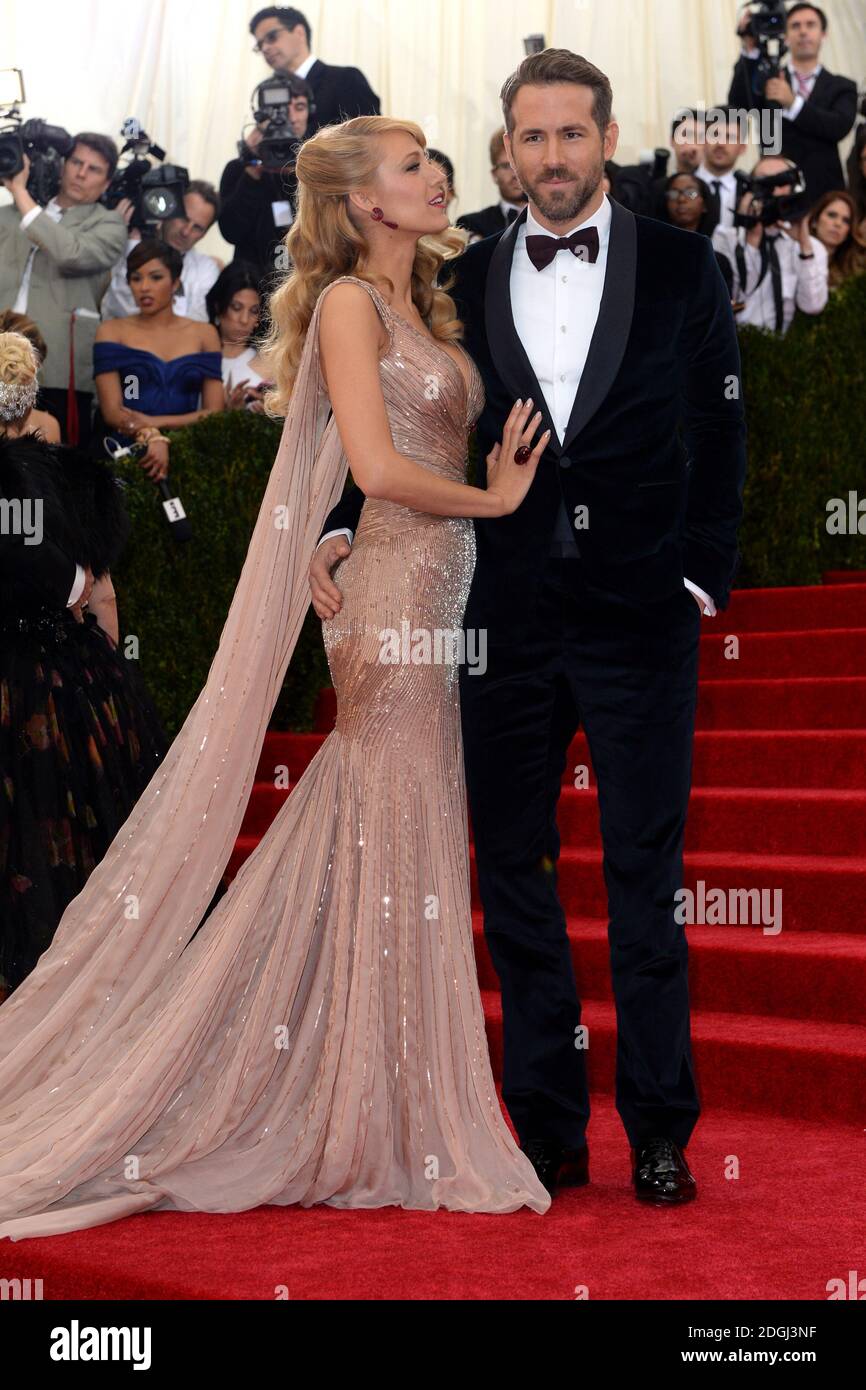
column 812, row 139
column 339, row 93
column 608, row 639
column 487, row 222
column 246, row 217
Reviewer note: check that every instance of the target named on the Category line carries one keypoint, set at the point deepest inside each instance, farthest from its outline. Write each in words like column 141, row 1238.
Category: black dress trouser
column 628, row 674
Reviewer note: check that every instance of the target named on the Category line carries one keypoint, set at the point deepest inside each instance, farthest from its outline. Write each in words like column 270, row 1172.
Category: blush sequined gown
column 321, row 1039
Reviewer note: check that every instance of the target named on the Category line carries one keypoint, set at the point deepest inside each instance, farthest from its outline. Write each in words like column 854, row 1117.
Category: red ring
column 521, row 455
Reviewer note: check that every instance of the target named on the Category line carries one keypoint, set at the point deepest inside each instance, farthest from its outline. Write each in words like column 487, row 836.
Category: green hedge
column 806, row 414
column 806, row 409
column 175, row 597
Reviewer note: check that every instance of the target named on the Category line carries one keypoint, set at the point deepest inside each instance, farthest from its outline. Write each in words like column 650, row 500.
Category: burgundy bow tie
column 583, row 244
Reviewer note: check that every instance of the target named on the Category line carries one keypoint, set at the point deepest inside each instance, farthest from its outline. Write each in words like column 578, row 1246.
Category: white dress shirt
column 198, row 274
column 77, row 588
column 727, row 191
column 53, row 210
column 305, row 66
column 806, row 81
column 801, row 86
column 555, row 313
column 804, row 282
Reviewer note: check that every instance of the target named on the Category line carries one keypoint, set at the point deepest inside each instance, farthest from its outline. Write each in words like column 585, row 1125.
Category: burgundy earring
column 378, row 216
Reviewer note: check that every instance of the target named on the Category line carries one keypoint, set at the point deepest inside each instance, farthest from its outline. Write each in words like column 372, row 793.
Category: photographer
column 257, row 198
column 283, row 36
column 55, row 264
column 777, row 267
column 722, row 148
column 201, row 206
column 817, row 108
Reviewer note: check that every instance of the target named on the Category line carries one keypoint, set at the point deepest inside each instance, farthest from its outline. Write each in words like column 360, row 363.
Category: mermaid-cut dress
column 338, row 1054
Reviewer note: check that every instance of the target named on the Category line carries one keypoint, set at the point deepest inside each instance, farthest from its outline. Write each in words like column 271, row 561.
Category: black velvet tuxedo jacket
column 812, row 138
column 655, row 445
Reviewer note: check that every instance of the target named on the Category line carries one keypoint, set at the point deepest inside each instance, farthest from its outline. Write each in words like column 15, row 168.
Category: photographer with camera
column 817, row 108
column 283, row 37
column 777, row 267
column 258, row 190
column 55, row 263
column 200, row 210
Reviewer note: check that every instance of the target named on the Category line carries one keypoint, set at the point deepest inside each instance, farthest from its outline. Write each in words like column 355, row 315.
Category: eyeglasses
column 270, row 37
column 691, row 193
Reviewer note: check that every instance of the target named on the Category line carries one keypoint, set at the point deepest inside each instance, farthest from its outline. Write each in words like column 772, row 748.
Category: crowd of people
column 114, row 303
column 130, row 332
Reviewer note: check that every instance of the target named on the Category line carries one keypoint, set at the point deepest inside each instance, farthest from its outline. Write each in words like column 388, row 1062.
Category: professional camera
column 279, row 145
column 46, row 146
column 156, row 191
column 767, row 206
column 768, row 20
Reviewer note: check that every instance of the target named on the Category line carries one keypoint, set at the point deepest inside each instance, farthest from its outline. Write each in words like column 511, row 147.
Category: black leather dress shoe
column 556, row 1163
column 660, row 1173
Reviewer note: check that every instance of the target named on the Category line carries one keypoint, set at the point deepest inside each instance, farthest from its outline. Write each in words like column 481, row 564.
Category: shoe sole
column 656, row 1200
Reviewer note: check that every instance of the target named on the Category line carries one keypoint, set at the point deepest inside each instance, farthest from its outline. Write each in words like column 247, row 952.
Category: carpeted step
column 806, row 975
column 777, row 655
column 843, row 577
column 808, row 702
column 786, row 821
column 772, row 1065
column 819, row 892
column 805, row 702
column 778, row 820
column 793, row 609
column 723, row 757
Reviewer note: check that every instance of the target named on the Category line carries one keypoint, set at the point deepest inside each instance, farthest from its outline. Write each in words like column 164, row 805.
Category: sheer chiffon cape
column 70, row 1023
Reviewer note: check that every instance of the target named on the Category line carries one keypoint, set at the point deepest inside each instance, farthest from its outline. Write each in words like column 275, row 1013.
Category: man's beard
column 565, row 205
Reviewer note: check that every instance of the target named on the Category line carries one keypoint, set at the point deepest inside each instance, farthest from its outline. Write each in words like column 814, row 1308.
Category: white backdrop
column 186, row 70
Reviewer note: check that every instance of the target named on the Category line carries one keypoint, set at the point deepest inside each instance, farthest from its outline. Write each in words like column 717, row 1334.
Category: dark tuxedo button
column 565, row 461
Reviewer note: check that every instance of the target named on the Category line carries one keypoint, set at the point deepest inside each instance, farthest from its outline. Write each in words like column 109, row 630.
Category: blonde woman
column 321, row 1039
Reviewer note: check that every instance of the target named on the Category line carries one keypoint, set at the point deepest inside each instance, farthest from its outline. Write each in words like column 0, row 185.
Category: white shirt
column 305, row 66
column 237, row 369
column 53, row 210
column 804, row 282
column 198, row 274
column 566, row 295
column 555, row 313
column 790, row 113
column 727, row 192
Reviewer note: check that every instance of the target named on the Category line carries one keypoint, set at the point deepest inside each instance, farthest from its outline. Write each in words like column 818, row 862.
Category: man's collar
column 305, row 66
column 708, row 176
column 813, row 72
column 599, row 219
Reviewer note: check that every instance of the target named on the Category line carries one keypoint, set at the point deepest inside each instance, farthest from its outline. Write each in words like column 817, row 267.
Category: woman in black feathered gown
column 79, row 736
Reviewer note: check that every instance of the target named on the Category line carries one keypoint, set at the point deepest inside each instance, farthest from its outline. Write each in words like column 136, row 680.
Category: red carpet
column 778, row 1029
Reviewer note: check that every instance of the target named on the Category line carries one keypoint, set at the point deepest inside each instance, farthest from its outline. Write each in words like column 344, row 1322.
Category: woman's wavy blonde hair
column 323, row 243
